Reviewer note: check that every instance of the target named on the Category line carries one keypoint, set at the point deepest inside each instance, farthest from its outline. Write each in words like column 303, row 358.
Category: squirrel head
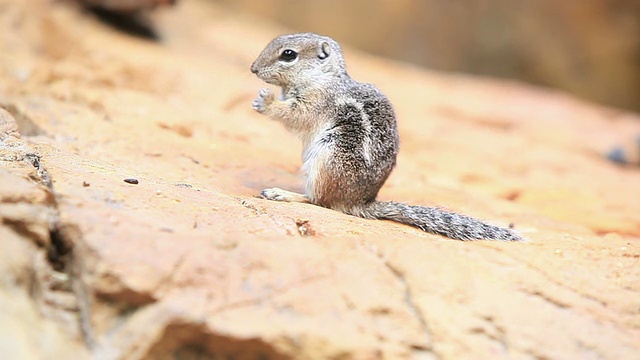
column 300, row 59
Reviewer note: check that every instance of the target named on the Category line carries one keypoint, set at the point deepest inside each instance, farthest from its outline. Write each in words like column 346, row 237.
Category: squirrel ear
column 324, row 51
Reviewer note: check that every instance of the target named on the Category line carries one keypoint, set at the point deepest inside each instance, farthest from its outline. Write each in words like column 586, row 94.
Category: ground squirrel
column 349, row 135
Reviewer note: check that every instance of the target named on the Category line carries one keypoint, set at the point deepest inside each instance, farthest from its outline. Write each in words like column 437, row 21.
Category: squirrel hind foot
column 278, row 194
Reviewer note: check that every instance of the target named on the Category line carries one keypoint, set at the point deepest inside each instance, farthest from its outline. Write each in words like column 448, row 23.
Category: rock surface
column 590, row 49
column 189, row 263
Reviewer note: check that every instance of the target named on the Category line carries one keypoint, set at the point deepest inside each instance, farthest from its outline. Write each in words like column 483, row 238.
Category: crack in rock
column 492, row 331
column 59, row 294
column 414, row 309
column 63, row 237
column 545, row 275
column 288, row 229
column 544, row 297
column 169, row 281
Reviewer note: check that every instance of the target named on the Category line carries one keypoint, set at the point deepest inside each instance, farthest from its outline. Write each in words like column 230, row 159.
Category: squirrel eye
column 288, row 55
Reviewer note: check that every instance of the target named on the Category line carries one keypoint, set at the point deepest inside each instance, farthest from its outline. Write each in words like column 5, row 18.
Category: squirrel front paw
column 264, row 99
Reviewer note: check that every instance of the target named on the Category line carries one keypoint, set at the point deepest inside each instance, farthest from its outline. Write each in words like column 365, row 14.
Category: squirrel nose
column 254, row 68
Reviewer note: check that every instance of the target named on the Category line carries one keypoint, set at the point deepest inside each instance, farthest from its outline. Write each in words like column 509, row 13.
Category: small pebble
column 304, row 228
column 131, row 181
column 85, row 184
column 617, row 155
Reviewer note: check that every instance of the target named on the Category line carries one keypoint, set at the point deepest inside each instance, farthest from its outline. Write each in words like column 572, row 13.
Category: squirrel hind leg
column 278, row 194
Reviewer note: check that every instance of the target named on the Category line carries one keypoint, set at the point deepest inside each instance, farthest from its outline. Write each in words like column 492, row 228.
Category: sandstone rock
column 188, row 263
column 127, row 5
column 8, row 125
column 38, row 319
column 588, row 49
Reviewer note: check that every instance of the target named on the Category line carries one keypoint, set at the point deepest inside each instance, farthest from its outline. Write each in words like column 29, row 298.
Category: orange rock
column 189, row 262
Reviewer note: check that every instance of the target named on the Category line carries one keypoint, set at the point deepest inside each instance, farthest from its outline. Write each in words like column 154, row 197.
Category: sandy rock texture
column 126, row 6
column 188, row 263
column 591, row 49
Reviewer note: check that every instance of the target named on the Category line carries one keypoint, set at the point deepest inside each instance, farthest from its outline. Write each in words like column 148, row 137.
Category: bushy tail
column 437, row 221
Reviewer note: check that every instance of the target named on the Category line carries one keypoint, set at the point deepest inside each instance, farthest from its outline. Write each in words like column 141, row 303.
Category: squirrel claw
column 278, row 194
column 264, row 99
column 271, row 194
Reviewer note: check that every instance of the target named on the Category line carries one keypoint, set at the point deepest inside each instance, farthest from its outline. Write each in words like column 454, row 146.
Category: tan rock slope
column 188, row 263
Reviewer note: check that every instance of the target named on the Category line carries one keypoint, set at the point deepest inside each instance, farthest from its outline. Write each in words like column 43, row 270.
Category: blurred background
column 590, row 48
